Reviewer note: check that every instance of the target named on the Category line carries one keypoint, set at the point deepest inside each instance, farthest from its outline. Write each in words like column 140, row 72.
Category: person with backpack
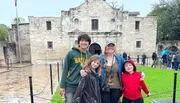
column 177, row 60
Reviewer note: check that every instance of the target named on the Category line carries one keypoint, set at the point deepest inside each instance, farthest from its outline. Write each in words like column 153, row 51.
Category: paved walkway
column 14, row 85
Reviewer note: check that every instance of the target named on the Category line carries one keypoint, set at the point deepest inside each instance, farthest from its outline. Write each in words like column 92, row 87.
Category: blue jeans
column 169, row 64
column 69, row 94
column 176, row 65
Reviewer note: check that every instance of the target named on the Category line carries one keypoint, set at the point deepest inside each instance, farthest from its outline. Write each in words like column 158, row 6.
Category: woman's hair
column 87, row 67
column 105, row 50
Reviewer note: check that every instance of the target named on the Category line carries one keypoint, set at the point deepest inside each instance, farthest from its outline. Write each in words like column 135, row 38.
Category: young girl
column 88, row 90
column 132, row 84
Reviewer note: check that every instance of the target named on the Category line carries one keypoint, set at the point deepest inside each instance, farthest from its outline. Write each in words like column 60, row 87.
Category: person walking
column 111, row 74
column 154, row 58
column 132, row 84
column 73, row 62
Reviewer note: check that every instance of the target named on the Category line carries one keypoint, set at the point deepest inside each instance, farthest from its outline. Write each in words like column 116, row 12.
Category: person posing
column 132, row 84
column 88, row 90
column 111, row 67
column 73, row 62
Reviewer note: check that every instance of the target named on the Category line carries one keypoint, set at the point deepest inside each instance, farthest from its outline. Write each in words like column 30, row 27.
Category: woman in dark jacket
column 88, row 90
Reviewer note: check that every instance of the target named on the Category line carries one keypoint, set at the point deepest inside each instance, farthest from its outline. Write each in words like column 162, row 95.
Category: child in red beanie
column 132, row 84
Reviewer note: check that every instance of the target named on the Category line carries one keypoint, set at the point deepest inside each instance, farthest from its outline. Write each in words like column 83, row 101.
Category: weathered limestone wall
column 25, row 51
column 146, row 34
column 39, row 36
column 2, row 59
column 113, row 25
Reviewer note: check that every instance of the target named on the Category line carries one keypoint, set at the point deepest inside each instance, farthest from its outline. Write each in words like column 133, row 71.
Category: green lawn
column 159, row 82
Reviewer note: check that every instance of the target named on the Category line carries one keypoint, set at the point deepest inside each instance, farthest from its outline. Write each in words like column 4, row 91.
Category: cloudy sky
column 53, row 7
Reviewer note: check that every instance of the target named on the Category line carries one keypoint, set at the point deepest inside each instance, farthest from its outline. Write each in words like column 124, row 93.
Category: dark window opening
column 137, row 25
column 48, row 25
column 95, row 24
column 50, row 45
column 138, row 44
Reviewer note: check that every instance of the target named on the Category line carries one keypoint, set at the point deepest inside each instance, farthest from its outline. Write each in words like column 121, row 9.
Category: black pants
column 111, row 97
column 126, row 100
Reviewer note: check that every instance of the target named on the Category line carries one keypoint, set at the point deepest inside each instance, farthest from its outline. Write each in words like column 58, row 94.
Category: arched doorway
column 173, row 48
column 95, row 48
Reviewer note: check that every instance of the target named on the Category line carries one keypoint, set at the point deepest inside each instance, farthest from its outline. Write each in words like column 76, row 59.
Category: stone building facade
column 48, row 39
column 23, row 40
column 52, row 37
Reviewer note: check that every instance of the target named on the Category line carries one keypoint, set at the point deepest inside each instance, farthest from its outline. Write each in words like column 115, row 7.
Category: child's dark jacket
column 88, row 90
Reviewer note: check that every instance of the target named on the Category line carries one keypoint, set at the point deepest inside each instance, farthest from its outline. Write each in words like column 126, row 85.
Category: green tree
column 3, row 32
column 168, row 19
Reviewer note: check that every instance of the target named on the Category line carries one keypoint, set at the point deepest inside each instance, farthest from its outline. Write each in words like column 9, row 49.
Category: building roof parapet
column 134, row 13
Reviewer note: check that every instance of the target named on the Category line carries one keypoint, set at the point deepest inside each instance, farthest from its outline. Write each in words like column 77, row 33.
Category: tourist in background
column 177, row 61
column 164, row 60
column 154, row 58
column 169, row 60
column 143, row 59
column 137, row 59
column 129, row 57
column 124, row 55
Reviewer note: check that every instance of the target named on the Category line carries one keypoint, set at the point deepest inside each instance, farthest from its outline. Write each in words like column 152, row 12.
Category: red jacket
column 132, row 85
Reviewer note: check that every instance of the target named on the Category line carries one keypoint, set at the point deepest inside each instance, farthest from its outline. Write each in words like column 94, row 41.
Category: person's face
column 95, row 64
column 83, row 44
column 110, row 49
column 129, row 67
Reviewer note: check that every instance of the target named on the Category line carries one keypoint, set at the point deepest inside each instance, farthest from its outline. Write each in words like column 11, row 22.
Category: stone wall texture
column 114, row 25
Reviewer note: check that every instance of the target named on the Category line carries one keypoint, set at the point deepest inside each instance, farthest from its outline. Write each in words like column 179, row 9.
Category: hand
column 142, row 76
column 149, row 94
column 62, row 92
column 83, row 73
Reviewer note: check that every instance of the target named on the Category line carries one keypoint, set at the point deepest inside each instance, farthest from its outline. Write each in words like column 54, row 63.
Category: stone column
column 2, row 60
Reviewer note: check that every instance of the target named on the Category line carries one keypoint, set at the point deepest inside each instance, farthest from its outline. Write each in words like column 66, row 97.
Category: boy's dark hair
column 84, row 37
